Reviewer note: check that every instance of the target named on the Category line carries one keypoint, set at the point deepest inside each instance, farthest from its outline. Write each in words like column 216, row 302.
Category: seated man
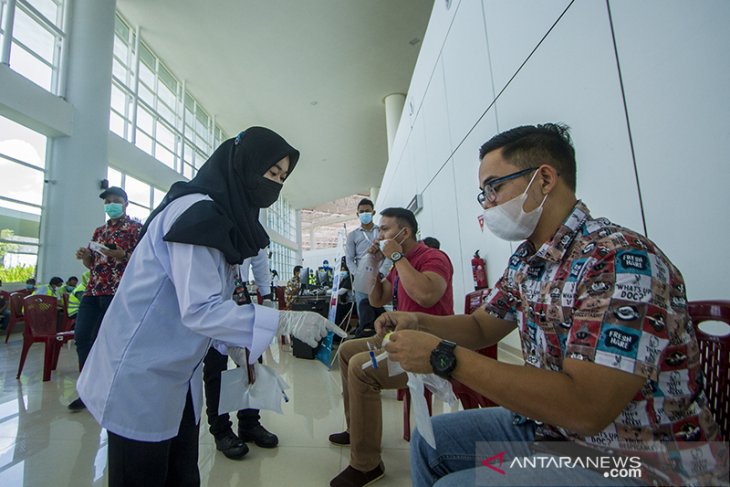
column 74, row 297
column 611, row 359
column 293, row 287
column 420, row 280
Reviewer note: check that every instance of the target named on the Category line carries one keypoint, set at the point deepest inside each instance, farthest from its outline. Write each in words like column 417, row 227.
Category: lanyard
column 395, row 292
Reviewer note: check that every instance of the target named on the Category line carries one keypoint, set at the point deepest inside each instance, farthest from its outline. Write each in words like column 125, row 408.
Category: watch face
column 395, row 256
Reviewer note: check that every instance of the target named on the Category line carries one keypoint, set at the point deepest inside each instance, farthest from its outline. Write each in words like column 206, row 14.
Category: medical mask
column 29, row 286
column 114, row 210
column 509, row 221
column 343, row 275
column 69, row 288
column 265, row 194
column 366, row 218
column 381, row 244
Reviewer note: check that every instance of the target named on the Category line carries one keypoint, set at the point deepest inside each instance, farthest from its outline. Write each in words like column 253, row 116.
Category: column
column 393, row 110
column 77, row 163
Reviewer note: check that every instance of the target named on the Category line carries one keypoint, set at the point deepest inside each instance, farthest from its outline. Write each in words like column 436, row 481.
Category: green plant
column 18, row 273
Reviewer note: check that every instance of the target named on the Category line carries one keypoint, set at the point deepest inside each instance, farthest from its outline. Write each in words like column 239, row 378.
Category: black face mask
column 266, row 193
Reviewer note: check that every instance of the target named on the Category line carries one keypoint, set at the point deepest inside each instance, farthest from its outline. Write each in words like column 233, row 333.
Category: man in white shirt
column 358, row 242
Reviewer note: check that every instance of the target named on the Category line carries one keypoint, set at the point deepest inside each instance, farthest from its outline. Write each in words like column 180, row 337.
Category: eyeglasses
column 489, row 193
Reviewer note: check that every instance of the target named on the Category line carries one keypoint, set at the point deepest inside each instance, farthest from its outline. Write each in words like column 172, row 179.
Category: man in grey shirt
column 358, row 242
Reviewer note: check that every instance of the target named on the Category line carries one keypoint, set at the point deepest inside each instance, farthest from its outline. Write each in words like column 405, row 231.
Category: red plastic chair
column 16, row 311
column 40, row 326
column 714, row 358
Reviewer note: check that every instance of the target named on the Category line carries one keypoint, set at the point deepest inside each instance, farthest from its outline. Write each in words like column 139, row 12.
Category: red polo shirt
column 426, row 259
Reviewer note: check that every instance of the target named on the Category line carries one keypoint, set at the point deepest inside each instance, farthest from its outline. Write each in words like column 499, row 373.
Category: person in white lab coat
column 142, row 380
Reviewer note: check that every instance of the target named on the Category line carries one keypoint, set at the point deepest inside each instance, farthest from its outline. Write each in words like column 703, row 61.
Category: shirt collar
column 119, row 221
column 555, row 249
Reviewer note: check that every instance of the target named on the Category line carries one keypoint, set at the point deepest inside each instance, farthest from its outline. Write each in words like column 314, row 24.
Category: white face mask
column 509, row 221
column 381, row 244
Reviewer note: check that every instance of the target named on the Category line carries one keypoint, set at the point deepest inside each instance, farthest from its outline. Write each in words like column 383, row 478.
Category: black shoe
column 231, row 445
column 77, row 405
column 259, row 435
column 340, row 439
column 350, row 477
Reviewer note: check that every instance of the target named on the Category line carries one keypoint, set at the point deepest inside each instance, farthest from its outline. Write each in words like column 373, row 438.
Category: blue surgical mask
column 343, row 275
column 114, row 210
column 29, row 286
column 69, row 288
column 366, row 218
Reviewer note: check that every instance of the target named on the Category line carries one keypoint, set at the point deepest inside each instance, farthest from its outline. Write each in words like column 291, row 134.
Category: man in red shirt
column 420, row 280
column 113, row 244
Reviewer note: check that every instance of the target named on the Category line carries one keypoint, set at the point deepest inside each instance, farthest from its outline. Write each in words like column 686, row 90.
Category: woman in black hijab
column 142, row 381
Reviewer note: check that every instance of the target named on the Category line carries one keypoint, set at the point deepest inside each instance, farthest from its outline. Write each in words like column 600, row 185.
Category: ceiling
column 316, row 71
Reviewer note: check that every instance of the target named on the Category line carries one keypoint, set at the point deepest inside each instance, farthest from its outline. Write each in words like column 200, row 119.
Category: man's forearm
column 376, row 295
column 472, row 331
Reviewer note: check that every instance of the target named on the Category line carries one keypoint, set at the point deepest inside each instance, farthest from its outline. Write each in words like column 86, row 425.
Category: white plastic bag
column 266, row 393
column 367, row 273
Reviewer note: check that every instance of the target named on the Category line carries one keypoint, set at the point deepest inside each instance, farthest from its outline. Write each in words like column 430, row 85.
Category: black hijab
column 233, row 178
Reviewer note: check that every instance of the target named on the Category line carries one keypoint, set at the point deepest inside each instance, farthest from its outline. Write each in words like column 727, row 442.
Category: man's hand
column 83, row 253
column 307, row 326
column 395, row 320
column 390, row 246
column 113, row 253
column 374, row 249
column 412, row 350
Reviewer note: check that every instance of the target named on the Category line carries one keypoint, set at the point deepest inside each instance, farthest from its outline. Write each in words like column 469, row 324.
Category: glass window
column 137, row 191
column 31, row 67
column 36, row 37
column 144, row 119
column 144, row 142
column 50, row 9
column 139, row 212
column 114, row 177
column 157, row 197
column 22, row 162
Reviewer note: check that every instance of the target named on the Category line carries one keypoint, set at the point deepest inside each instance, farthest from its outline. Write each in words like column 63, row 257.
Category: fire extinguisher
column 479, row 271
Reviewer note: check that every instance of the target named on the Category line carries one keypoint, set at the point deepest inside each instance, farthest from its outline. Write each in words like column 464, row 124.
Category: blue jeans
column 454, row 462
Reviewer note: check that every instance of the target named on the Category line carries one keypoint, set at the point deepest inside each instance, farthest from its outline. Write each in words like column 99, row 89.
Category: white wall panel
column 466, row 70
column 434, row 114
column 439, row 219
column 466, row 181
column 514, row 28
column 438, row 27
column 572, row 78
column 674, row 59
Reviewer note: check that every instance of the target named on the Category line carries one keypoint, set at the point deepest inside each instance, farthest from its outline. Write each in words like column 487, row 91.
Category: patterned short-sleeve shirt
column 605, row 294
column 106, row 272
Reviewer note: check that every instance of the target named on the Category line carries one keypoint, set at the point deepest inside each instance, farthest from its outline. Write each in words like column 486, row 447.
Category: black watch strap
column 443, row 359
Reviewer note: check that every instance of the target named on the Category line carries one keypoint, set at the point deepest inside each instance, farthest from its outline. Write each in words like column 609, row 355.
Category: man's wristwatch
column 396, row 256
column 443, row 360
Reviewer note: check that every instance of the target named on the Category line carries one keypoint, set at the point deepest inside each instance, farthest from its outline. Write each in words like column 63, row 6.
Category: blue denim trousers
column 454, row 462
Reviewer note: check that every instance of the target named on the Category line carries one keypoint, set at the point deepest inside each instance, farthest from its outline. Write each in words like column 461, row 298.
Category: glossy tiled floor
column 42, row 444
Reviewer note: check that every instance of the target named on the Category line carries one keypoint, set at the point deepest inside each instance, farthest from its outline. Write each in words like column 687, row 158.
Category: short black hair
column 30, row 280
column 297, row 268
column 72, row 278
column 531, row 145
column 56, row 281
column 404, row 217
column 364, row 202
column 432, row 242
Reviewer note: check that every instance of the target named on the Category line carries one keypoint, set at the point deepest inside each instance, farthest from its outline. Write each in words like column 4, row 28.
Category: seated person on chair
column 420, row 280
column 293, row 286
column 611, row 359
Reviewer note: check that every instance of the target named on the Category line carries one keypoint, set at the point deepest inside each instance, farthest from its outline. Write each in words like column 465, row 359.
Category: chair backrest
column 474, row 300
column 40, row 315
column 281, row 297
column 16, row 304
column 714, row 358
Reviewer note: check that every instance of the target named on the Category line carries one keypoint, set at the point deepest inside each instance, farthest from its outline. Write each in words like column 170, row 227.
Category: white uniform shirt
column 172, row 300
